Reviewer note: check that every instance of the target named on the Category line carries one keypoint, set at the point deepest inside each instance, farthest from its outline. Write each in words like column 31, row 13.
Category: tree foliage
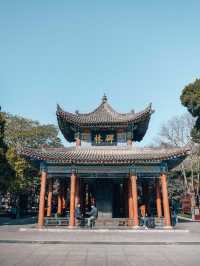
column 6, row 171
column 18, row 131
column 190, row 98
column 24, row 172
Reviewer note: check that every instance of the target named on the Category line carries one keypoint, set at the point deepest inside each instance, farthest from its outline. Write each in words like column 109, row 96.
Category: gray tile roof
column 105, row 155
column 103, row 114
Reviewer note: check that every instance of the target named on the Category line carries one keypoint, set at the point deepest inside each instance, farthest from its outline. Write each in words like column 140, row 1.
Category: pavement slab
column 12, row 235
column 35, row 254
column 92, row 248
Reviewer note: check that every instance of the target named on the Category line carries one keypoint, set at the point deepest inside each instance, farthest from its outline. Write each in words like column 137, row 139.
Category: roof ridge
column 106, row 148
column 106, row 106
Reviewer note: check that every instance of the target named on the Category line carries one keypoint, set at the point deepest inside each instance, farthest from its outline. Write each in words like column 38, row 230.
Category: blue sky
column 71, row 52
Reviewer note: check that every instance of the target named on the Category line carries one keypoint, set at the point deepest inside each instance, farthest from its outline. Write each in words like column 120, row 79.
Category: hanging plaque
column 104, row 138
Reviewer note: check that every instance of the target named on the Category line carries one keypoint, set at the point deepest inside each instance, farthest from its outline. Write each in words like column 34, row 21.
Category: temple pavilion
column 105, row 167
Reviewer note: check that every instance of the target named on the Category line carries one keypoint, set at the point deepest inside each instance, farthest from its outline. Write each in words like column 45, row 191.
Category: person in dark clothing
column 93, row 214
column 78, row 212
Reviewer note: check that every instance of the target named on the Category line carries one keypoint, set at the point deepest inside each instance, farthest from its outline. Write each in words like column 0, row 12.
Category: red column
column 50, row 194
column 77, row 195
column 143, row 210
column 42, row 199
column 158, row 199
column 63, row 200
column 130, row 204
column 59, row 206
column 135, row 199
column 165, row 200
column 72, row 200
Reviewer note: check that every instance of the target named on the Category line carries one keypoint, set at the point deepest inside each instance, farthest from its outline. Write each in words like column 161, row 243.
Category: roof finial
column 104, row 98
column 59, row 109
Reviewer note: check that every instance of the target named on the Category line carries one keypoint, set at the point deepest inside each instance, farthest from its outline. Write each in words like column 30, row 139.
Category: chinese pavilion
column 105, row 167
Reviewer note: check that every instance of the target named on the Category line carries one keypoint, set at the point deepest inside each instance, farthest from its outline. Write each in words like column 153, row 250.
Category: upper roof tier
column 104, row 116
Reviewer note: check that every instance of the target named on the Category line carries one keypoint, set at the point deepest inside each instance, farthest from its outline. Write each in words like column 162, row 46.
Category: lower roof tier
column 119, row 155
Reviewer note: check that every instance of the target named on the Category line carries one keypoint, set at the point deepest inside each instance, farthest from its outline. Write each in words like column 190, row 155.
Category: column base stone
column 168, row 227
column 40, row 226
column 136, row 227
column 72, row 227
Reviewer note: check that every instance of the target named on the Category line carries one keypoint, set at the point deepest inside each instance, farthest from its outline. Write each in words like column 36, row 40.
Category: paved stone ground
column 95, row 255
column 93, row 248
column 13, row 233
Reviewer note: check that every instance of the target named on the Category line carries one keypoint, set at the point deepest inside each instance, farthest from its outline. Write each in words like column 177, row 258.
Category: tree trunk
column 185, row 177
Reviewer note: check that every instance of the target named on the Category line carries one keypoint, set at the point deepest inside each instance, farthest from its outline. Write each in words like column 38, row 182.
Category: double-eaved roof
column 115, row 155
column 104, row 116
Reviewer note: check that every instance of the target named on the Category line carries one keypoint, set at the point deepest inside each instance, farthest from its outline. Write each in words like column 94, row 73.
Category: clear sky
column 71, row 52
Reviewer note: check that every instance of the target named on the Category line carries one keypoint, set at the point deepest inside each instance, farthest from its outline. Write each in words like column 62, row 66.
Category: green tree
column 190, row 98
column 6, row 171
column 22, row 132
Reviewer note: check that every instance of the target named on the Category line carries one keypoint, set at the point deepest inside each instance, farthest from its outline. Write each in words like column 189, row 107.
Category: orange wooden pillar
column 72, row 200
column 158, row 199
column 59, row 207
column 50, row 194
column 42, row 198
column 130, row 204
column 165, row 200
column 135, row 199
column 143, row 210
column 77, row 193
column 63, row 200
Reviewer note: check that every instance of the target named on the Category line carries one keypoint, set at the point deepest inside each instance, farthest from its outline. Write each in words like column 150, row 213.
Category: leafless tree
column 176, row 133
